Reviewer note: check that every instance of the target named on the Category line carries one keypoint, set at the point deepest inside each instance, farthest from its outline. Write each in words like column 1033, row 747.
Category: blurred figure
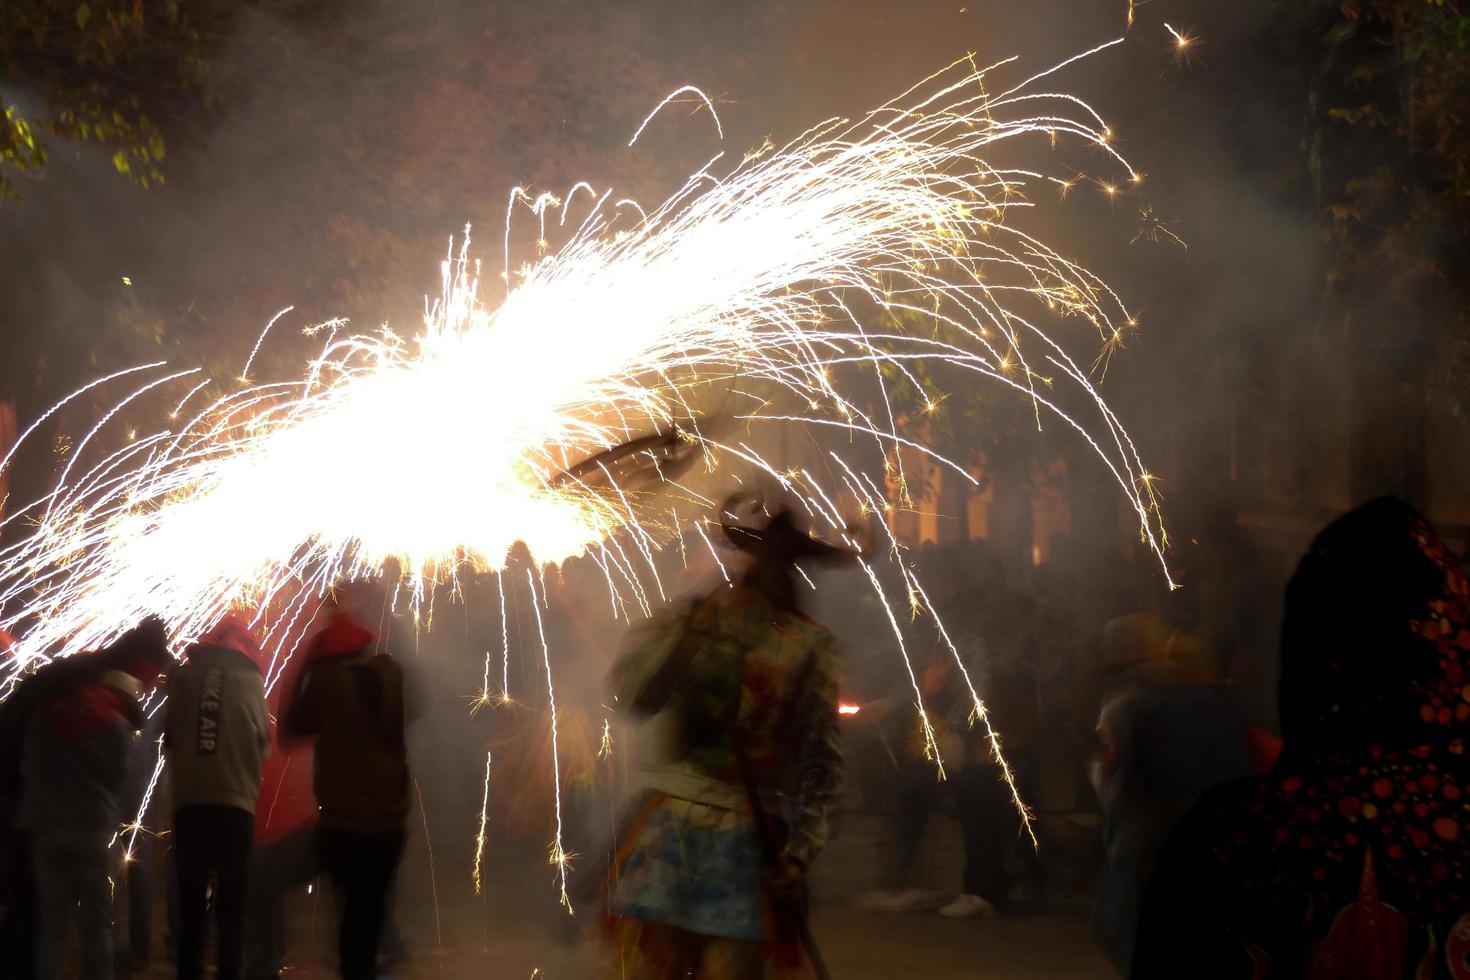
column 1351, row 859
column 143, row 849
column 74, row 764
column 353, row 702
column 990, row 823
column 911, row 789
column 1168, row 731
column 710, row 876
column 17, row 885
column 216, row 734
column 286, row 855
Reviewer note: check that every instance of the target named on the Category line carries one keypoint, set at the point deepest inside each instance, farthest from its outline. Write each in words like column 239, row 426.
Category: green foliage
column 1395, row 93
column 99, row 71
column 1391, row 157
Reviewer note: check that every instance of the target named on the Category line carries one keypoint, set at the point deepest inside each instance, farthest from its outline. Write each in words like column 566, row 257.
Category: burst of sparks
column 781, row 271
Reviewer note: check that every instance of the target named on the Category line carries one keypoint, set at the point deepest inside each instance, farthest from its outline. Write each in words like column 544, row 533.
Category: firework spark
column 777, row 281
column 1186, row 45
column 484, row 819
column 433, row 871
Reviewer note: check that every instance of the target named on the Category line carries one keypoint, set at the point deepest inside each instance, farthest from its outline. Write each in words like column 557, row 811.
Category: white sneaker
column 898, row 900
column 968, row 906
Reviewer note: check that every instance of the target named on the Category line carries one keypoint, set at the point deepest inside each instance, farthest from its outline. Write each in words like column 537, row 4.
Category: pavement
column 516, row 928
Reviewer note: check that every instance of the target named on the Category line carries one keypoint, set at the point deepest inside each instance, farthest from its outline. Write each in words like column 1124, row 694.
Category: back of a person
column 218, row 730
column 748, row 646
column 73, row 761
column 1187, row 739
column 361, row 763
column 1365, row 881
column 1351, row 859
column 353, row 704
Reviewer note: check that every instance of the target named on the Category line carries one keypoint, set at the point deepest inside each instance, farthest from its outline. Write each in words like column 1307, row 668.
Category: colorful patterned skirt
column 684, row 897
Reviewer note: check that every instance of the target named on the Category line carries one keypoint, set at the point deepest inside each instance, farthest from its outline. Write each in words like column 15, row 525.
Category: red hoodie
column 286, row 805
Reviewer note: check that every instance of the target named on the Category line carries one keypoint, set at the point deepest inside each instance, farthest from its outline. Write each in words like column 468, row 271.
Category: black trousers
column 212, row 842
column 362, row 866
column 18, row 893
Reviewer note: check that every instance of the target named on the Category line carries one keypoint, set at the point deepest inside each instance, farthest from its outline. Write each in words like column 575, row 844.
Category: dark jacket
column 75, row 759
column 354, row 706
column 1351, row 858
column 51, row 682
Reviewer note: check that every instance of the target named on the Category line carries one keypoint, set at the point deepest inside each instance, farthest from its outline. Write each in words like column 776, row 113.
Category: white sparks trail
column 931, row 745
column 504, row 643
column 685, row 90
column 254, row 351
column 797, row 278
column 133, row 828
column 480, row 834
column 558, row 857
column 433, row 871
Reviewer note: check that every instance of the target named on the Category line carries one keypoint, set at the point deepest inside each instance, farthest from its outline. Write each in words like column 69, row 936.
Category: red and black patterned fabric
column 1350, row 860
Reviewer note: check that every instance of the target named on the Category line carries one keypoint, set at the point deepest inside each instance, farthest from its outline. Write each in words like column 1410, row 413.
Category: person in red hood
column 74, row 765
column 216, row 734
column 286, row 856
column 351, row 700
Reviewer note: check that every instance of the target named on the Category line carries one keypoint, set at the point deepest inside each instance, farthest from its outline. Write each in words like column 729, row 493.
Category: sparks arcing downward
column 931, row 745
column 133, row 828
column 433, row 871
column 480, row 834
column 558, row 856
column 786, row 278
column 504, row 643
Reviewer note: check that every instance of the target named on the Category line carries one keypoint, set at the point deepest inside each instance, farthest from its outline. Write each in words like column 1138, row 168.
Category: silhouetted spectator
column 17, row 931
column 989, row 820
column 142, row 849
column 1351, row 859
column 353, row 702
column 216, row 735
column 286, row 854
column 1168, row 731
column 74, row 765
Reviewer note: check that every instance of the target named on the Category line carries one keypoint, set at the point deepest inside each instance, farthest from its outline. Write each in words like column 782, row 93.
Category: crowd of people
column 1210, row 846
column 73, row 793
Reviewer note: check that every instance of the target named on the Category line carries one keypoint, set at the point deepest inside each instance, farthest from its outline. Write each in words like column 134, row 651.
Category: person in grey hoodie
column 217, row 735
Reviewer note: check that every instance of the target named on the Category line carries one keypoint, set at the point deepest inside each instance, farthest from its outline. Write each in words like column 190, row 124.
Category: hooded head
column 233, row 633
column 141, row 652
column 342, row 637
column 1376, row 637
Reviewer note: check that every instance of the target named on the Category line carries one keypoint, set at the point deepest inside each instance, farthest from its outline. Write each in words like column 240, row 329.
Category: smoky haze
column 351, row 143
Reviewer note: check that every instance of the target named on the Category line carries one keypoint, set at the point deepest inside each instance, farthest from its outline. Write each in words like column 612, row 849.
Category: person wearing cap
column 351, row 698
column 74, row 765
column 216, row 735
column 709, row 879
